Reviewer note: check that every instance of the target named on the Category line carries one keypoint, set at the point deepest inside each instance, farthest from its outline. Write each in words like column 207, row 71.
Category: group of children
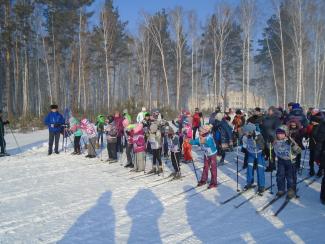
column 153, row 135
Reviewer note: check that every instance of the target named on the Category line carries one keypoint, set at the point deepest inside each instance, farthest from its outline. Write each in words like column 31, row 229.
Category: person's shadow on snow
column 97, row 225
column 144, row 226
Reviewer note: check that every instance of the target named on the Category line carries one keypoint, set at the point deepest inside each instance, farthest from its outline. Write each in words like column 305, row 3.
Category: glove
column 52, row 125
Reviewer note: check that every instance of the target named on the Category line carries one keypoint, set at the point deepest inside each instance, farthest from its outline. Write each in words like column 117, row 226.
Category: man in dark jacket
column 319, row 138
column 269, row 125
column 2, row 136
column 297, row 113
column 54, row 120
column 256, row 119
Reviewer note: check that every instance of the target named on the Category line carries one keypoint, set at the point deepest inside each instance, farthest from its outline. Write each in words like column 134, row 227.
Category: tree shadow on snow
column 144, row 226
column 16, row 150
column 97, row 225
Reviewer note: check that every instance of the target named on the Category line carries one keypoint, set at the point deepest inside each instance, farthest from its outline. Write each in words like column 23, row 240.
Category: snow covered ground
column 71, row 199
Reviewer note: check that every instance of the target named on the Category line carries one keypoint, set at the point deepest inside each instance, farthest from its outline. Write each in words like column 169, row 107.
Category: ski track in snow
column 71, row 199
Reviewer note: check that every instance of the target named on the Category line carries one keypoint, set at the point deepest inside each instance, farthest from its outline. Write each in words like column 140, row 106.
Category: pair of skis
column 276, row 198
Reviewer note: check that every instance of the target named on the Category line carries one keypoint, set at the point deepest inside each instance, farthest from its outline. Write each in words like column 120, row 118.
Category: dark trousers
column 270, row 155
column 111, row 149
column 76, row 143
column 286, row 172
column 311, row 159
column 2, row 144
column 54, row 137
column 175, row 156
column 322, row 190
column 195, row 129
column 129, row 148
column 119, row 145
column 156, row 156
column 100, row 137
column 165, row 145
column 298, row 161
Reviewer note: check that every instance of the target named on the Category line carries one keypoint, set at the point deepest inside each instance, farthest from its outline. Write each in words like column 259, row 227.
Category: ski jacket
column 128, row 117
column 238, row 122
column 138, row 141
column 257, row 120
column 119, row 125
column 173, row 144
column 140, row 117
column 255, row 143
column 286, row 149
column 111, row 132
column 196, row 120
column 223, row 133
column 100, row 123
column 269, row 126
column 187, row 150
column 88, row 128
column 319, row 138
column 208, row 146
column 75, row 126
column 297, row 114
column 2, row 127
column 54, row 121
column 155, row 139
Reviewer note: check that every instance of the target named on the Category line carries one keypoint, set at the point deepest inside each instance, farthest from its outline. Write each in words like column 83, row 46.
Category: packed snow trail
column 71, row 199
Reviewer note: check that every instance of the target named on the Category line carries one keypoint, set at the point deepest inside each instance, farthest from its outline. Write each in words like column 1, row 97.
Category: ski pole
column 237, row 169
column 13, row 135
column 271, row 189
column 303, row 160
column 197, row 178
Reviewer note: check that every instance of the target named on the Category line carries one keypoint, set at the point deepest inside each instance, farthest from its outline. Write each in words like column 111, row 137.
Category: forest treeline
column 55, row 52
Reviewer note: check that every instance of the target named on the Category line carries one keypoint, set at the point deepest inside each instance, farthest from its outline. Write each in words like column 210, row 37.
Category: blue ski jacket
column 54, row 121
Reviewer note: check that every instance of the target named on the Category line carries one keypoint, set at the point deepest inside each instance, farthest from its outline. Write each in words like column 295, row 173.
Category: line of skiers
column 276, row 136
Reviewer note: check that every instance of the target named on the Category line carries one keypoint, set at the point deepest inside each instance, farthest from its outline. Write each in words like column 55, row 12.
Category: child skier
column 77, row 132
column 100, row 124
column 173, row 145
column 286, row 150
column 129, row 145
column 254, row 145
column 208, row 145
column 111, row 137
column 139, row 147
column 54, row 120
column 2, row 136
column 155, row 144
column 296, row 132
column 187, row 147
column 90, row 130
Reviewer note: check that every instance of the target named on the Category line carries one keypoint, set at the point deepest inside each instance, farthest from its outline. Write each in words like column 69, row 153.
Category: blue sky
column 130, row 10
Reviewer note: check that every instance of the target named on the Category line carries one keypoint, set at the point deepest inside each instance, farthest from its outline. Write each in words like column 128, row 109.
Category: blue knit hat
column 295, row 106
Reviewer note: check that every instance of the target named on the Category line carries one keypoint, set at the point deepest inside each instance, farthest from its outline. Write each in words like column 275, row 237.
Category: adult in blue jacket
column 54, row 120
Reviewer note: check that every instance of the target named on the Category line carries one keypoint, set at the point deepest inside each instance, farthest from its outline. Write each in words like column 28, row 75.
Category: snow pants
column 156, row 156
column 111, row 149
column 119, row 144
column 210, row 162
column 260, row 169
column 175, row 157
column 139, row 164
column 286, row 171
column 129, row 148
column 91, row 146
column 76, row 144
column 2, row 144
column 54, row 137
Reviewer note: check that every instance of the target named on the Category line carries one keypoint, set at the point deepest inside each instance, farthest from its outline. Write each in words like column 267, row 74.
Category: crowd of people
column 272, row 140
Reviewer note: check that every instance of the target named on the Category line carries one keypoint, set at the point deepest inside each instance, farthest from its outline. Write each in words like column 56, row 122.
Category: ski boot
column 177, row 176
column 153, row 170
column 291, row 193
column 280, row 193
column 260, row 191
column 160, row 170
column 201, row 183
column 212, row 185
column 172, row 175
column 248, row 186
